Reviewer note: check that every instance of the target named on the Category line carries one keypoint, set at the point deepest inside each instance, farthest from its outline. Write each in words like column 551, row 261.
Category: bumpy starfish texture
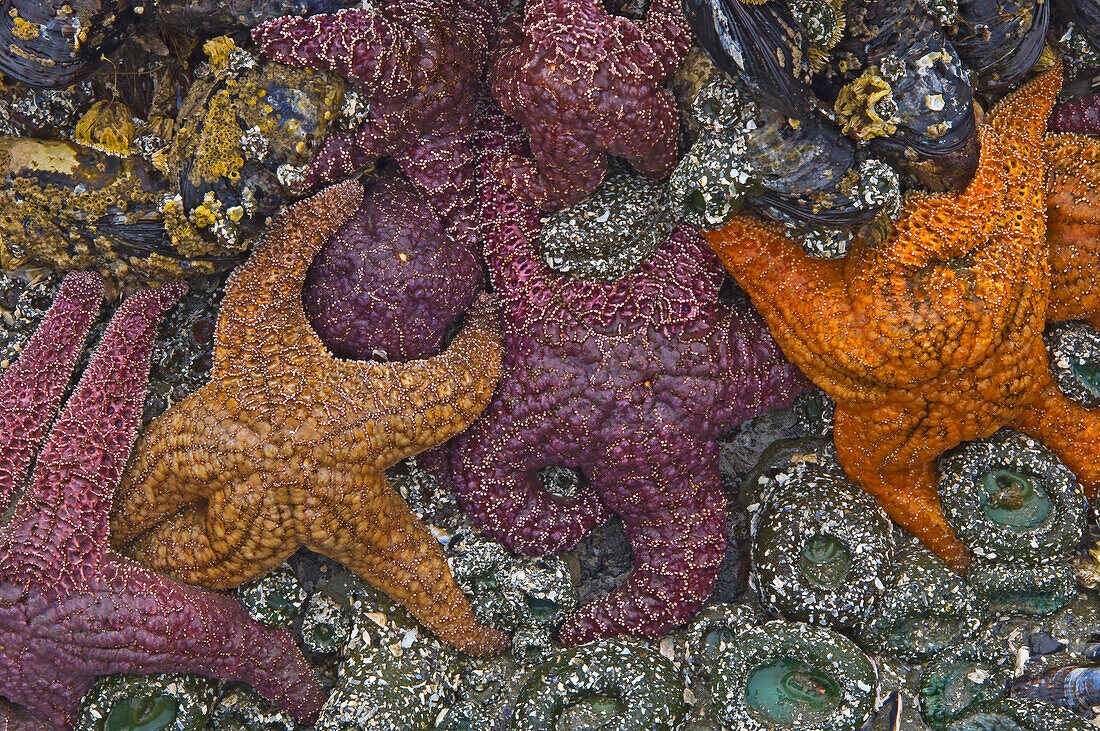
column 31, row 389
column 286, row 445
column 630, row 382
column 1080, row 115
column 1073, row 228
column 391, row 280
column 586, row 84
column 934, row 337
column 70, row 609
column 417, row 65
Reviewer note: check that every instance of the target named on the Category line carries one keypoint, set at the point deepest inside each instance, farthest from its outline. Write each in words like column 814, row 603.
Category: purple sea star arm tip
column 70, row 609
column 30, row 390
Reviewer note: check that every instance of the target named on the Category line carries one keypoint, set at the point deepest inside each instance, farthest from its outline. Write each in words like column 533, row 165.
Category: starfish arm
column 665, row 487
column 1009, row 178
column 650, row 142
column 197, row 510
column 30, row 390
column 560, row 172
column 758, row 377
column 422, row 403
column 60, row 526
column 666, row 33
column 359, row 44
column 168, row 469
column 935, row 228
column 494, row 479
column 343, row 154
column 262, row 314
column 371, row 531
column 14, row 719
column 889, row 452
column 442, row 169
column 1068, row 428
column 139, row 621
column 803, row 300
column 1073, row 228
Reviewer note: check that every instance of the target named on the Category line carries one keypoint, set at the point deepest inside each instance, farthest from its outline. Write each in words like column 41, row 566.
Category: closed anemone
column 820, row 548
column 1013, row 588
column 1017, row 714
column 924, row 608
column 1009, row 498
column 621, row 685
column 960, row 677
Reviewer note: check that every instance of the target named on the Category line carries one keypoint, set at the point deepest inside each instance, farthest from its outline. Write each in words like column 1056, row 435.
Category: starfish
column 586, row 84
column 935, row 336
column 391, row 280
column 1080, row 115
column 70, row 609
column 1073, row 228
column 417, row 65
column 286, row 445
column 630, row 382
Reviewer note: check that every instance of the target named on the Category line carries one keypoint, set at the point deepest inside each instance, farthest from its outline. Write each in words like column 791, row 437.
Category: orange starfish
column 286, row 445
column 1073, row 228
column 933, row 337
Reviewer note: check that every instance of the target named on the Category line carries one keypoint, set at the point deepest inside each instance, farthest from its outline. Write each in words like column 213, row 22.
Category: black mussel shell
column 808, row 173
column 57, row 43
column 930, row 87
column 72, row 207
column 243, row 126
column 762, row 45
column 211, row 17
column 1001, row 39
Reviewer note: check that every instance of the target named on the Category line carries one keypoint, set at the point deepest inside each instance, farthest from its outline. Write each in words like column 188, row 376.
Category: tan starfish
column 287, row 445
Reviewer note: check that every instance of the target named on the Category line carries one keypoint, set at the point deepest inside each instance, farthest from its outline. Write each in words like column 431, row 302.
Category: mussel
column 1001, row 39
column 59, row 42
column 762, row 45
column 927, row 125
column 247, row 128
column 797, row 172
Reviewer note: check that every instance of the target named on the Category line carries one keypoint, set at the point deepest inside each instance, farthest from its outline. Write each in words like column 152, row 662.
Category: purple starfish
column 630, row 382
column 418, row 64
column 1080, row 115
column 587, row 84
column 70, row 609
column 391, row 279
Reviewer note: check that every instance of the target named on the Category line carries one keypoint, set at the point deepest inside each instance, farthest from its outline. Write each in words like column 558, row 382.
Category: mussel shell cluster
column 173, row 199
column 58, row 42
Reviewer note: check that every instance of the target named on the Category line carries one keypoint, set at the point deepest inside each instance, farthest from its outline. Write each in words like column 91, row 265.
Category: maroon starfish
column 70, row 609
column 586, row 84
column 629, row 381
column 418, row 63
